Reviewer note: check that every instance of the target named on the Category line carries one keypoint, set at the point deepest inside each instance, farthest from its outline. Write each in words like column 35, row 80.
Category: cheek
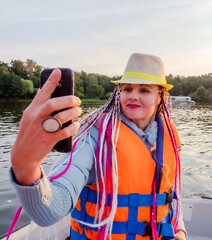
column 153, row 104
column 156, row 102
column 122, row 99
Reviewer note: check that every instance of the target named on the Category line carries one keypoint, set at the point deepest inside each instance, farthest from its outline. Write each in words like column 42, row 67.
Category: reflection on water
column 195, row 130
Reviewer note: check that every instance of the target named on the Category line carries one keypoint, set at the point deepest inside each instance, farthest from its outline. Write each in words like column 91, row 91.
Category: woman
column 123, row 178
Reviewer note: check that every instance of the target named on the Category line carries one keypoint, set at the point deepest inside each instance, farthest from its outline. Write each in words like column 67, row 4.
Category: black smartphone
column 65, row 87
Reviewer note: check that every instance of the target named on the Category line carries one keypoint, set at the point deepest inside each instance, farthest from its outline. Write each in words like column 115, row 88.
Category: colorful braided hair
column 105, row 161
column 162, row 109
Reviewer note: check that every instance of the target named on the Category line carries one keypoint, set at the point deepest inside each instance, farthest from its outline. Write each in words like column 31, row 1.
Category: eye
column 144, row 90
column 126, row 89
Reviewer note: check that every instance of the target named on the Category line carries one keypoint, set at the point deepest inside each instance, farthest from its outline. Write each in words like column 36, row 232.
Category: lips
column 133, row 106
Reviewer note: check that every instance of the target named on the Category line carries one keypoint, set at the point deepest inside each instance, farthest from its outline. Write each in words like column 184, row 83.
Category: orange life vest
column 136, row 171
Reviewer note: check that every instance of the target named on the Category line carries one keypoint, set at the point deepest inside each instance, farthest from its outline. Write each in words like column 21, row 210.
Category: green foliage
column 10, row 86
column 22, row 79
column 199, row 88
column 200, row 95
column 79, row 94
column 28, row 88
column 18, row 68
column 95, row 91
column 107, row 95
column 3, row 68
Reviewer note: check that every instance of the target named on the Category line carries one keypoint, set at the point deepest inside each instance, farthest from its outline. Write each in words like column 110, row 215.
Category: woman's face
column 139, row 102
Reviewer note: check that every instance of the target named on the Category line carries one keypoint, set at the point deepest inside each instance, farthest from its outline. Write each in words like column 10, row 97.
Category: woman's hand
column 33, row 143
column 180, row 235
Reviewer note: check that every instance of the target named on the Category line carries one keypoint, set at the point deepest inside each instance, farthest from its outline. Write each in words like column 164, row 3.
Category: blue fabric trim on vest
column 142, row 200
column 77, row 236
column 159, row 152
column 165, row 229
column 132, row 224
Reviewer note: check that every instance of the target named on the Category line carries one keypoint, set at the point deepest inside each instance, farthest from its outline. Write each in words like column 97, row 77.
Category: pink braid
column 154, row 213
column 178, row 167
column 18, row 212
column 14, row 221
column 107, row 141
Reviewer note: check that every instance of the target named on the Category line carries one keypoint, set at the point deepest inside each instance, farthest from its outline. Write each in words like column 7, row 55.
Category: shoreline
column 84, row 101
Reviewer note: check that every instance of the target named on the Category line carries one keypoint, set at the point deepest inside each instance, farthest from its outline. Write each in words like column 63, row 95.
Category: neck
column 142, row 124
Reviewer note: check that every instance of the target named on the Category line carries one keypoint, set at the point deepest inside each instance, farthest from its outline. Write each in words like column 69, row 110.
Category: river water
column 194, row 125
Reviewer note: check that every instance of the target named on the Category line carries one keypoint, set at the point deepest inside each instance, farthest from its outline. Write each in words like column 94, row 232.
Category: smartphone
column 65, row 87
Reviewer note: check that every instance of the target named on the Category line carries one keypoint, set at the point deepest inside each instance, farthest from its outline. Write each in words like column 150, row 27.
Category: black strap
column 169, row 196
column 148, row 230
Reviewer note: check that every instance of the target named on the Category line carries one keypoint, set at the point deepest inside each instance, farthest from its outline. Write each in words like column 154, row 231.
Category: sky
column 98, row 36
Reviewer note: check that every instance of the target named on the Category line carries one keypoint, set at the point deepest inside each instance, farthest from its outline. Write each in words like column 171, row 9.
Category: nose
column 133, row 95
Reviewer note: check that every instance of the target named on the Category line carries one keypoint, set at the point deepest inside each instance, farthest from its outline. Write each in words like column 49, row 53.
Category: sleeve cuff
column 16, row 183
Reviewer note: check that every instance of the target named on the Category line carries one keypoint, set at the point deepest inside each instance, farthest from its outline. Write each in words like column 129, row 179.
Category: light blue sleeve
column 47, row 202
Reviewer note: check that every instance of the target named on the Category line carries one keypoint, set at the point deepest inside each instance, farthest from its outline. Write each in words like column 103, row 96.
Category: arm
column 180, row 235
column 181, row 231
column 46, row 202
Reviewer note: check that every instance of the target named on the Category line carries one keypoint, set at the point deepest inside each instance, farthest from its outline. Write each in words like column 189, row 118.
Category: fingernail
column 78, row 100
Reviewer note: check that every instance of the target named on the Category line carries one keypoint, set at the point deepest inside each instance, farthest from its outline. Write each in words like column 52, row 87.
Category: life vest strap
column 133, row 199
column 77, row 236
column 143, row 229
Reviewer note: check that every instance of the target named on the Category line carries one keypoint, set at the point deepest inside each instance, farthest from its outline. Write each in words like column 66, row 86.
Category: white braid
column 112, row 111
column 97, row 181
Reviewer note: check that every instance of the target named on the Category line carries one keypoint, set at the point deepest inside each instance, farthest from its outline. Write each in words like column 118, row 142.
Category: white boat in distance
column 197, row 214
column 181, row 100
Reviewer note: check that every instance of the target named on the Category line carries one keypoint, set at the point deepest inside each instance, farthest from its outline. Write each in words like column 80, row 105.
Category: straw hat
column 144, row 69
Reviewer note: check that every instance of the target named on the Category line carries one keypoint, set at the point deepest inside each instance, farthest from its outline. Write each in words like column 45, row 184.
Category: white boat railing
column 197, row 214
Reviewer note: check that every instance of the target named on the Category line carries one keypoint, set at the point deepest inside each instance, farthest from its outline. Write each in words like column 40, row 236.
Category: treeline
column 199, row 88
column 19, row 80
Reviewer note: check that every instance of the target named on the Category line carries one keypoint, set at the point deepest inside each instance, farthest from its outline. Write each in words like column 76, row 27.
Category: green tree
column 91, row 79
column 36, row 75
column 176, row 90
column 78, row 85
column 200, row 95
column 30, row 67
column 194, row 83
column 28, row 88
column 10, row 86
column 83, row 76
column 3, row 68
column 95, row 91
column 105, row 82
column 17, row 67
column 107, row 95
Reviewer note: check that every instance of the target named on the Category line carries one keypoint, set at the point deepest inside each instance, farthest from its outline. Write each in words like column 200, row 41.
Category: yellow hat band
column 142, row 75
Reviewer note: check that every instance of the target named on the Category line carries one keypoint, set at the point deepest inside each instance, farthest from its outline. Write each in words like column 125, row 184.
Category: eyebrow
column 145, row 85
column 138, row 84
